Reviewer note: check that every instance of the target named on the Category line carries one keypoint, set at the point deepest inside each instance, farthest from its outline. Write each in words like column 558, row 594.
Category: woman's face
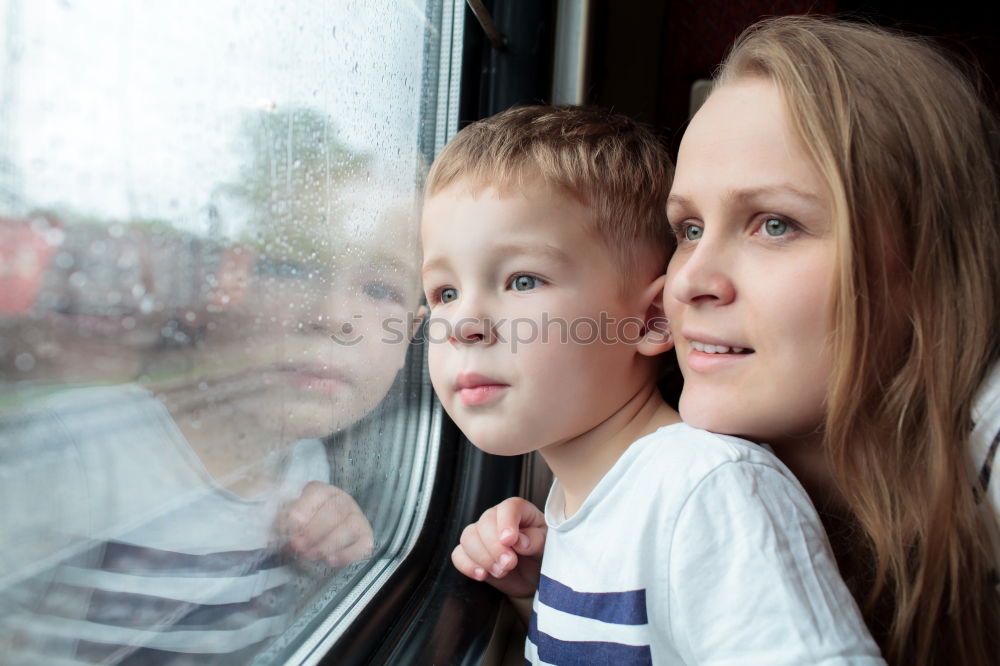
column 749, row 288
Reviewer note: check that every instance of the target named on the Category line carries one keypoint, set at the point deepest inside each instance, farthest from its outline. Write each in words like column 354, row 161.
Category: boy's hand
column 504, row 548
column 326, row 524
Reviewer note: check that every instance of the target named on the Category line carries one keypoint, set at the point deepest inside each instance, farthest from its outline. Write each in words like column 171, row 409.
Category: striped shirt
column 118, row 548
column 985, row 442
column 694, row 548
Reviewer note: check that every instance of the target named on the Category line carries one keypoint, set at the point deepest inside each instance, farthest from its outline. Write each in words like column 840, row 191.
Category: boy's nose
column 472, row 330
column 332, row 310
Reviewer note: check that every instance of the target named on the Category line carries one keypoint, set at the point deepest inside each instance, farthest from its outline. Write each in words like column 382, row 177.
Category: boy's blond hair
column 605, row 160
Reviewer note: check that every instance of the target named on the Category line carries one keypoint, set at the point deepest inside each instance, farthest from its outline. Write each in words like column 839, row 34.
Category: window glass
column 213, row 426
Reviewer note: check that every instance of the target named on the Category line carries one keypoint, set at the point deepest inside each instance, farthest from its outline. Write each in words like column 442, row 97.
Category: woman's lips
column 708, row 354
column 717, row 348
column 476, row 389
column 710, row 361
column 702, row 362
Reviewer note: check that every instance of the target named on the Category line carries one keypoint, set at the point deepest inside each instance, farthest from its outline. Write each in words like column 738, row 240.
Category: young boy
column 168, row 524
column 545, row 245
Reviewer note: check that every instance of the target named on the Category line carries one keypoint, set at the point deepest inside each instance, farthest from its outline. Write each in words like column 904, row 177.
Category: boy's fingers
column 515, row 514
column 329, row 546
column 531, row 541
column 521, row 525
column 322, row 512
column 481, row 545
column 359, row 550
column 500, row 554
column 350, row 542
column 312, row 498
column 466, row 565
column 504, row 559
column 474, row 546
column 331, row 519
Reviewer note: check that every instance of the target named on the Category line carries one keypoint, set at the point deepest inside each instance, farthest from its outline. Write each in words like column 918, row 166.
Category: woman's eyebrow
column 745, row 194
column 751, row 193
column 678, row 200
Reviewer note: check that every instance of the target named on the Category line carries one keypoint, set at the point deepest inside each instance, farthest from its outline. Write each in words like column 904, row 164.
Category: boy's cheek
column 419, row 316
column 436, row 370
column 439, row 328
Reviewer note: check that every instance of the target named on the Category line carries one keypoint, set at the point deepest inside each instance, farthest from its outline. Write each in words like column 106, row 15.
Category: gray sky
column 131, row 108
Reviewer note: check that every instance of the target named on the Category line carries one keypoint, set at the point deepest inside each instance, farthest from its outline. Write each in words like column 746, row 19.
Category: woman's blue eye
column 448, row 294
column 524, row 283
column 774, row 226
column 691, row 232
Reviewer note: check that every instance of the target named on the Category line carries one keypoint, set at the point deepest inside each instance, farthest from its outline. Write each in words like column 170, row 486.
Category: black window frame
column 426, row 612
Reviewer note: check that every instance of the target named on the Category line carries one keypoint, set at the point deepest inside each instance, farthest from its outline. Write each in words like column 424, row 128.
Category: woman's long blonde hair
column 910, row 153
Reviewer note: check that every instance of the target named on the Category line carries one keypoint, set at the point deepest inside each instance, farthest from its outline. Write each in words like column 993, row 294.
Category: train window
column 215, row 432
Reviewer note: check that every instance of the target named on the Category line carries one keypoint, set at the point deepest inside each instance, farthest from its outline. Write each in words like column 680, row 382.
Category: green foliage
column 290, row 181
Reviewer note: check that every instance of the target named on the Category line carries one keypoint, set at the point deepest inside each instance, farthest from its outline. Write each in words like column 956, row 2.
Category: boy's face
column 531, row 341
column 321, row 340
column 332, row 355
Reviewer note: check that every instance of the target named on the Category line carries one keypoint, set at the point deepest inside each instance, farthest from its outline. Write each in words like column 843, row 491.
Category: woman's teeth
column 715, row 349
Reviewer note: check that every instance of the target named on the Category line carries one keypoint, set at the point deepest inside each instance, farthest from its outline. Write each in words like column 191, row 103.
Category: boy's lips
column 319, row 378
column 476, row 389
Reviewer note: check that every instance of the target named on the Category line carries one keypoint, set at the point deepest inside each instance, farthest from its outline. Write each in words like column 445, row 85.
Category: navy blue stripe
column 140, row 611
column 598, row 653
column 124, row 655
column 126, row 558
column 984, row 473
column 627, row 607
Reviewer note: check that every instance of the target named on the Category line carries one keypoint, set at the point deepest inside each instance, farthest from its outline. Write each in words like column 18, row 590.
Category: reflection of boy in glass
column 156, row 528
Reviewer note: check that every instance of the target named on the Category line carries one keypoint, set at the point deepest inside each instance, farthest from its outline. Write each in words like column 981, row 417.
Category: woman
column 835, row 293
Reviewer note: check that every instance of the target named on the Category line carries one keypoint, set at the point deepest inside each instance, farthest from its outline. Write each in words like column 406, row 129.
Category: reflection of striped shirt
column 121, row 603
column 694, row 548
column 985, row 442
column 156, row 563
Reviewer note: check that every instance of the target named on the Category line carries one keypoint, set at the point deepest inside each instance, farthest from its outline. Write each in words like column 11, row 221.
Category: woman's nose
column 701, row 276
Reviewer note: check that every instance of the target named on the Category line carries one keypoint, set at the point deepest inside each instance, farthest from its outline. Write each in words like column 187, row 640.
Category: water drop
column 64, row 260
column 24, row 362
column 78, row 280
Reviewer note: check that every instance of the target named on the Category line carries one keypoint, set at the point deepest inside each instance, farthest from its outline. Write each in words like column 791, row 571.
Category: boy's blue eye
column 448, row 294
column 774, row 226
column 692, row 232
column 380, row 291
column 525, row 283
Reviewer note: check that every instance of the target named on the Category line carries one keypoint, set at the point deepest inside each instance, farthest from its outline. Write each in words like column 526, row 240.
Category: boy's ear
column 656, row 336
